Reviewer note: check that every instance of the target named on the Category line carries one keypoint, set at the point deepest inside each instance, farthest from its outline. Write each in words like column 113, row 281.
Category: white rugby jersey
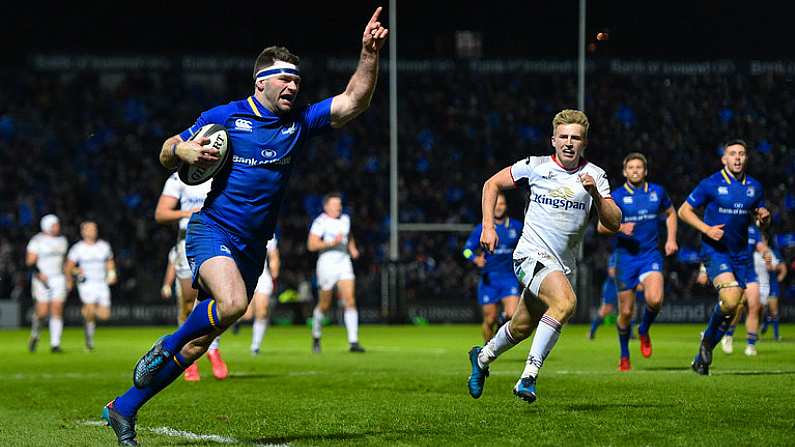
column 189, row 196
column 761, row 268
column 327, row 228
column 50, row 251
column 558, row 210
column 92, row 259
column 271, row 245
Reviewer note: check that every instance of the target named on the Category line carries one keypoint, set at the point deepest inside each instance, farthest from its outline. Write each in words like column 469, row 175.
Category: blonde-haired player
column 91, row 260
column 44, row 257
column 330, row 235
column 564, row 188
column 177, row 203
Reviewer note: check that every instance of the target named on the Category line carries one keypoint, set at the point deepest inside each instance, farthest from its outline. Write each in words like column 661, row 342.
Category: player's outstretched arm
column 500, row 181
column 357, row 95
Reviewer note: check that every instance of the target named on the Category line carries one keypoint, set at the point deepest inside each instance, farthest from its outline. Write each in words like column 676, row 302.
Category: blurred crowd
column 85, row 144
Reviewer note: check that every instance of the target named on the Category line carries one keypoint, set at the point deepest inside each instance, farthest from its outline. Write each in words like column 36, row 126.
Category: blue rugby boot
column 478, row 376
column 525, row 389
column 702, row 360
column 148, row 366
column 123, row 426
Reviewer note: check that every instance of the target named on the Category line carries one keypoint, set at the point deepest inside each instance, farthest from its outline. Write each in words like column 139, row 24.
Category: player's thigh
column 56, row 308
column 42, row 308
column 89, row 310
column 509, row 304
column 220, row 277
column 752, row 296
column 103, row 312
column 557, row 293
column 346, row 289
column 652, row 286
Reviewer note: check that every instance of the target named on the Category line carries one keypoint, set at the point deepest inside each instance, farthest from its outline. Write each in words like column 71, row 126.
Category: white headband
column 47, row 222
column 278, row 68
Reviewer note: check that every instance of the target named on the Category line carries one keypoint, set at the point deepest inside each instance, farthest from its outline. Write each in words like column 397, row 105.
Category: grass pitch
column 408, row 389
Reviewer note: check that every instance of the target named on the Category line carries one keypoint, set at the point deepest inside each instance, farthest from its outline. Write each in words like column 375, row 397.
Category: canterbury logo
column 564, row 192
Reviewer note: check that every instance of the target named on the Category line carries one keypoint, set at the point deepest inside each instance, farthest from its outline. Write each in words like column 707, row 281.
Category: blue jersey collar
column 728, row 177
column 630, row 189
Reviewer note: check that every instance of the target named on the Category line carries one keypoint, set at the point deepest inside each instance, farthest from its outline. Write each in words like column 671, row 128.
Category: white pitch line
column 183, row 434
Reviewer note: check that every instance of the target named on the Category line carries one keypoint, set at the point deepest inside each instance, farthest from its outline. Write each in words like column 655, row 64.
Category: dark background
column 639, row 29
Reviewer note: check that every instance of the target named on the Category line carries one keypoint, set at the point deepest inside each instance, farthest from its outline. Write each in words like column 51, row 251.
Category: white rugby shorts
column 532, row 270
column 264, row 283
column 181, row 262
column 55, row 290
column 94, row 292
column 329, row 273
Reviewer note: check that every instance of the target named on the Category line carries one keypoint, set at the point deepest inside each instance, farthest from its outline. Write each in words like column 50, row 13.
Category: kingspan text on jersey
column 565, row 204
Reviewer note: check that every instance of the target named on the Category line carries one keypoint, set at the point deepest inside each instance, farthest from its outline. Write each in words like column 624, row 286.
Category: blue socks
column 648, row 318
column 202, row 321
column 128, row 403
column 623, row 340
column 751, row 338
column 774, row 322
column 717, row 326
column 597, row 320
column 730, row 331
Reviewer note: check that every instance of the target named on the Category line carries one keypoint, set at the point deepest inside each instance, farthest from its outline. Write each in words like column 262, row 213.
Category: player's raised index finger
column 377, row 12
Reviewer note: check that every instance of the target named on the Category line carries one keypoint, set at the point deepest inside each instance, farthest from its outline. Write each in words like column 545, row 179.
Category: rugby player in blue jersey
column 731, row 199
column 224, row 240
column 497, row 279
column 638, row 259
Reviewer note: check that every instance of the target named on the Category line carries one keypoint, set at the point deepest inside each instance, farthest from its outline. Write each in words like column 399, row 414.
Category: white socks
column 91, row 327
column 317, row 322
column 35, row 323
column 351, row 317
column 500, row 343
column 259, row 328
column 56, row 328
column 216, row 342
column 546, row 336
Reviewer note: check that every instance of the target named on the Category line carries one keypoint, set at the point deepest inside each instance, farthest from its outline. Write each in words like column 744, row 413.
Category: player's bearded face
column 735, row 159
column 280, row 92
column 569, row 143
column 635, row 171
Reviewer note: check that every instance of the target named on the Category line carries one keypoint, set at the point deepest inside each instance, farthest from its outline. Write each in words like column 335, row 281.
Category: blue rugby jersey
column 246, row 195
column 500, row 263
column 731, row 202
column 644, row 206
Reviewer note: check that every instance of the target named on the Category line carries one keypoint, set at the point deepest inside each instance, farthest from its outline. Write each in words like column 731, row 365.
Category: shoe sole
column 529, row 398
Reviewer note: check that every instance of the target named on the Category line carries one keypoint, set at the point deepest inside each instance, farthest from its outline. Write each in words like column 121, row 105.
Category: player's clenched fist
column 588, row 183
column 489, row 239
column 715, row 233
column 762, row 216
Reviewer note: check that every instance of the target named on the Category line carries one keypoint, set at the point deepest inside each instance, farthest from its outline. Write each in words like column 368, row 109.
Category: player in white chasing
column 177, row 203
column 91, row 260
column 44, row 257
column 564, row 188
column 330, row 235
column 259, row 307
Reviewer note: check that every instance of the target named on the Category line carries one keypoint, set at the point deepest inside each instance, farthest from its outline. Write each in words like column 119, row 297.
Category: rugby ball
column 219, row 139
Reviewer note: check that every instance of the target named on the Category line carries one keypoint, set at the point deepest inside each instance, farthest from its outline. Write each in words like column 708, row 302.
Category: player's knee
column 564, row 307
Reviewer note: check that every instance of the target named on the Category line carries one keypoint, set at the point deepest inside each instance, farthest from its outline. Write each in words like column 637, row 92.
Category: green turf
column 408, row 389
